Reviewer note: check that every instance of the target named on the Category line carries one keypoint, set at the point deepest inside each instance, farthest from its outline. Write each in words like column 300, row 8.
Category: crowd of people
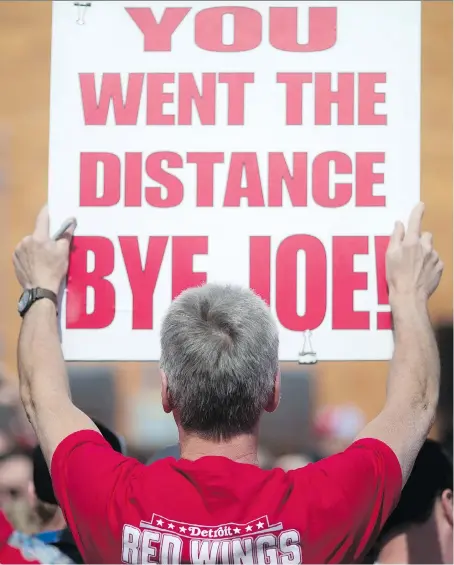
column 69, row 493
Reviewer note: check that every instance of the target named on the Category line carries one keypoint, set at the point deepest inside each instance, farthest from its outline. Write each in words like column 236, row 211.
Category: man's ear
column 166, row 401
column 446, row 504
column 275, row 398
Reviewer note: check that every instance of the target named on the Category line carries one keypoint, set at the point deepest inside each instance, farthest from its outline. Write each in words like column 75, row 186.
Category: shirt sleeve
column 90, row 481
column 350, row 496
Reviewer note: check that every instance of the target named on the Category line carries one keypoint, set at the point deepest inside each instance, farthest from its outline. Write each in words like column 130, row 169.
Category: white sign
column 270, row 144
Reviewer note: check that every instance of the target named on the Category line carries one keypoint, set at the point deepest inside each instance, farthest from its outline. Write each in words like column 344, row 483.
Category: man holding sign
column 220, row 371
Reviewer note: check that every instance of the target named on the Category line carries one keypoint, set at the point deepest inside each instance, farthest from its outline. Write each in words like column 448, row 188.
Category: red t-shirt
column 16, row 547
column 214, row 510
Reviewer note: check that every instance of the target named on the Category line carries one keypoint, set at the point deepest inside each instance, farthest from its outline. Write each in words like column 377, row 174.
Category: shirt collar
column 50, row 537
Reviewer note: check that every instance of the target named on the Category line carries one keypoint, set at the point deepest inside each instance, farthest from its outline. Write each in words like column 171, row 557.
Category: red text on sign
column 248, row 28
column 163, row 108
column 143, row 274
column 193, row 99
column 354, row 98
column 345, row 280
column 298, row 179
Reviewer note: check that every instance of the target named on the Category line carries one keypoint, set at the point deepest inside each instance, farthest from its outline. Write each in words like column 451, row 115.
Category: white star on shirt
column 170, row 526
column 159, row 522
column 182, row 529
column 259, row 525
column 248, row 528
column 236, row 530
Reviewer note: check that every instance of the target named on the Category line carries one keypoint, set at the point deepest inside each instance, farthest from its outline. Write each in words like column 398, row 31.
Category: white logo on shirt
column 161, row 541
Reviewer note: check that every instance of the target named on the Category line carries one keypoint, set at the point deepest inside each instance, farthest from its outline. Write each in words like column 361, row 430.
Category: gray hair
column 219, row 351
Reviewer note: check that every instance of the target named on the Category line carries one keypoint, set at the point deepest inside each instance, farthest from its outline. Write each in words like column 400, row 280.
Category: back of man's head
column 431, row 475
column 42, row 481
column 219, row 352
column 445, row 404
column 426, row 502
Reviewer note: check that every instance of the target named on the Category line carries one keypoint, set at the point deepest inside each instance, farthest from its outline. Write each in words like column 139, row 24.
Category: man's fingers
column 42, row 225
column 434, row 257
column 427, row 240
column 65, row 238
column 398, row 234
column 414, row 223
column 66, row 230
column 72, row 227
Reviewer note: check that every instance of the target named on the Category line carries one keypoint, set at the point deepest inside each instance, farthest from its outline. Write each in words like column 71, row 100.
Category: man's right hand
column 39, row 260
column 413, row 267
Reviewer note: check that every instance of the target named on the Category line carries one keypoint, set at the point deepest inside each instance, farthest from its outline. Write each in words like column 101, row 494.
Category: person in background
column 420, row 530
column 9, row 403
column 6, row 443
column 9, row 391
column 265, row 458
column 444, row 335
column 21, row 516
column 17, row 547
column 14, row 424
column 292, row 461
column 220, row 372
column 52, row 528
column 15, row 474
column 169, row 451
column 335, row 427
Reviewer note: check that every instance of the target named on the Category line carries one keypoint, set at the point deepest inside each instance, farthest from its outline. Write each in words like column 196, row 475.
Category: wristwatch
column 32, row 295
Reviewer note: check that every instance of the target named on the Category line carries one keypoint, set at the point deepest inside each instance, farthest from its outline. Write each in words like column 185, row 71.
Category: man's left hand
column 39, row 260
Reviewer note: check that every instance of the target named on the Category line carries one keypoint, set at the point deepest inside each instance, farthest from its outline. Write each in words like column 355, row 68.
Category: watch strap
column 39, row 293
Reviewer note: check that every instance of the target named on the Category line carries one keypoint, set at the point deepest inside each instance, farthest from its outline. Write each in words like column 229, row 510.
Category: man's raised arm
column 41, row 264
column 413, row 273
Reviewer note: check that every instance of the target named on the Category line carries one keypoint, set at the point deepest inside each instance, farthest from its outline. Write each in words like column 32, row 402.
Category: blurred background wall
column 25, row 34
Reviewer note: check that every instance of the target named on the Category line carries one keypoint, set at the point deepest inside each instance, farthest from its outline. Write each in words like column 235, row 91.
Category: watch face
column 23, row 301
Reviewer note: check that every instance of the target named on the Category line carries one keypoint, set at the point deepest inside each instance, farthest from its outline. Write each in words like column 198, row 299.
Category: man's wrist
column 44, row 306
column 407, row 301
column 53, row 287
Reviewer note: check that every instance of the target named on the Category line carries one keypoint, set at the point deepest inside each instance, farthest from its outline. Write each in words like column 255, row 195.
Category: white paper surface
column 371, row 37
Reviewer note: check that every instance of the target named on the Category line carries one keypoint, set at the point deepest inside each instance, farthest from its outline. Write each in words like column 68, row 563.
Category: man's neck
column 57, row 522
column 394, row 551
column 242, row 449
column 418, row 544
